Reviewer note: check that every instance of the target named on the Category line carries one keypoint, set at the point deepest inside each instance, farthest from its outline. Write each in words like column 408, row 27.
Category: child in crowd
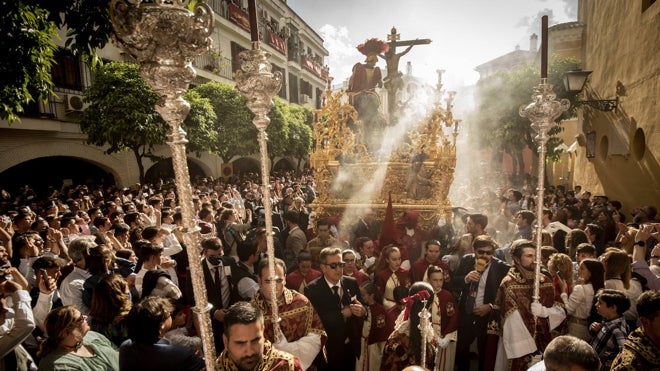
column 182, row 331
column 444, row 318
column 611, row 333
column 374, row 330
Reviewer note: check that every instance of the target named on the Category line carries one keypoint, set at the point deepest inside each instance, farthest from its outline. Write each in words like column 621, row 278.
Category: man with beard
column 246, row 349
column 301, row 331
column 526, row 325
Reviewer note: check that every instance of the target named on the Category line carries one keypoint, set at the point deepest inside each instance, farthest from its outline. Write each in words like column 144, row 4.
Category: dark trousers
column 218, row 329
column 471, row 327
column 344, row 361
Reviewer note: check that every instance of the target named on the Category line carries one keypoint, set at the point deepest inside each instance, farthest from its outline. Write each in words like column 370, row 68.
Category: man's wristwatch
column 640, row 243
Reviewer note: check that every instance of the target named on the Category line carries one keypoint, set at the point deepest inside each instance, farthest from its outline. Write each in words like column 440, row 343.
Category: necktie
column 224, row 293
column 335, row 289
column 472, row 297
column 218, row 283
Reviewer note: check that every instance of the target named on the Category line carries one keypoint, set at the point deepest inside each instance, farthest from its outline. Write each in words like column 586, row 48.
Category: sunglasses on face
column 485, row 252
column 335, row 265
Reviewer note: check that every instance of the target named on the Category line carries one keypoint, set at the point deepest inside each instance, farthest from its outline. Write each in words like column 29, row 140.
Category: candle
column 544, row 47
column 252, row 10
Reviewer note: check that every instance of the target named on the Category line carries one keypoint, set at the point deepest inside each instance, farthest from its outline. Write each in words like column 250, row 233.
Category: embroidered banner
column 276, row 42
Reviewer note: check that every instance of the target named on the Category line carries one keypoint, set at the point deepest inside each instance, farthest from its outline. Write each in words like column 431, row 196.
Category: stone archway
column 246, row 165
column 163, row 169
column 43, row 172
column 283, row 165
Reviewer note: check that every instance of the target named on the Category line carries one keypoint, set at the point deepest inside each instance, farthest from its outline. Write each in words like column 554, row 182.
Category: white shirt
column 479, row 300
column 13, row 331
column 71, row 289
column 580, row 302
column 225, row 273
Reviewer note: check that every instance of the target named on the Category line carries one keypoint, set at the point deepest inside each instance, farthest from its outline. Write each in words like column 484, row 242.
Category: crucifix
column 393, row 81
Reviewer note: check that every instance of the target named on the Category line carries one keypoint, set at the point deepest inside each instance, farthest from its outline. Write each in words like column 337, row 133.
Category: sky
column 464, row 33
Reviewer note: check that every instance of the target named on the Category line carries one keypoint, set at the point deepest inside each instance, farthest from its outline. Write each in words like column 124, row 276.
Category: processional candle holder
column 542, row 112
column 164, row 36
column 426, row 330
column 258, row 85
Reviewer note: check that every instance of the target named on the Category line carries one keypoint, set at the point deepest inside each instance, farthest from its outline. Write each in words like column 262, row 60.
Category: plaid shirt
column 609, row 340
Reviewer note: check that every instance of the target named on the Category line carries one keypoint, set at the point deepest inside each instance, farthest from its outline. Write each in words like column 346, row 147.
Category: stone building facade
column 621, row 46
column 48, row 129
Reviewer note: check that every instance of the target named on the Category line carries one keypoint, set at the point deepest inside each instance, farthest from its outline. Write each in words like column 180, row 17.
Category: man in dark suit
column 478, row 285
column 217, row 278
column 366, row 226
column 146, row 349
column 337, row 300
column 295, row 242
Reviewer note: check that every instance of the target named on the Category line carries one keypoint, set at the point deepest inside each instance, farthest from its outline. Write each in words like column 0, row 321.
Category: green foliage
column 497, row 124
column 87, row 23
column 121, row 115
column 300, row 133
column 235, row 133
column 26, row 56
column 200, row 124
column 29, row 32
column 278, row 129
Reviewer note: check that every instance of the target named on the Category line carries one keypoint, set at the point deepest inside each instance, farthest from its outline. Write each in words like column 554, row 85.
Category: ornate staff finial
column 542, row 112
column 426, row 329
column 164, row 36
column 258, row 85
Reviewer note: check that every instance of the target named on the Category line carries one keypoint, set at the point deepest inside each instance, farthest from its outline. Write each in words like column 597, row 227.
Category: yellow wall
column 622, row 48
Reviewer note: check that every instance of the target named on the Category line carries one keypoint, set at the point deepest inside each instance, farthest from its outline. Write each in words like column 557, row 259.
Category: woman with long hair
column 561, row 268
column 618, row 276
column 71, row 345
column 389, row 274
column 111, row 303
column 580, row 302
column 404, row 346
column 374, row 330
column 444, row 319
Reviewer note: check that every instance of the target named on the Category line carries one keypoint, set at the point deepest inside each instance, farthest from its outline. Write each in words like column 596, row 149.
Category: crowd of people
column 97, row 277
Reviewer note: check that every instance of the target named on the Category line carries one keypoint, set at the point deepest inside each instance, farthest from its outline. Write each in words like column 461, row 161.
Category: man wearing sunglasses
column 337, row 300
column 478, row 288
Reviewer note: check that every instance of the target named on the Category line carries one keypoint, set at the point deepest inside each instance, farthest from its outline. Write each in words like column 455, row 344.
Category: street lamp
column 574, row 82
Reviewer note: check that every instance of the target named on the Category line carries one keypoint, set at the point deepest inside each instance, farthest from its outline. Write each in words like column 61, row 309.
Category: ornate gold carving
column 418, row 169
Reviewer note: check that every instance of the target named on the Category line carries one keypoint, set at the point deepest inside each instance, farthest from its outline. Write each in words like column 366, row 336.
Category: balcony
column 220, row 66
column 314, row 67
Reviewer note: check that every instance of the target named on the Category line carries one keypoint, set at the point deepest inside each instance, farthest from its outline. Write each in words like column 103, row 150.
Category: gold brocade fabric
column 297, row 316
column 272, row 360
column 639, row 353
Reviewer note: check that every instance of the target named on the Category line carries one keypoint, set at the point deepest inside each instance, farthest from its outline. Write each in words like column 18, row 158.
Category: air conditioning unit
column 74, row 103
column 304, row 98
